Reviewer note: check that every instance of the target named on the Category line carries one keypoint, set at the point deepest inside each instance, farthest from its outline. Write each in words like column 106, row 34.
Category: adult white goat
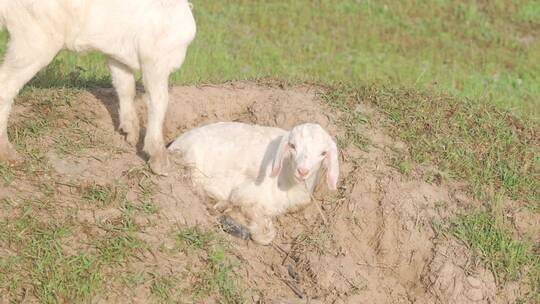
column 262, row 171
column 150, row 35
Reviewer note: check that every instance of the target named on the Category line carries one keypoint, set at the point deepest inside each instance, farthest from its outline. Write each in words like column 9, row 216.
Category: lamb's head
column 308, row 146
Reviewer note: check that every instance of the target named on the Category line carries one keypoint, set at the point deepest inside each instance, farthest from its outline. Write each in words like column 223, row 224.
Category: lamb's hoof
column 264, row 237
column 159, row 163
column 231, row 227
column 9, row 155
column 222, row 206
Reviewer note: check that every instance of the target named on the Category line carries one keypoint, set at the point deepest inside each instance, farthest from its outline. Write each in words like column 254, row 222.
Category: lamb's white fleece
column 263, row 171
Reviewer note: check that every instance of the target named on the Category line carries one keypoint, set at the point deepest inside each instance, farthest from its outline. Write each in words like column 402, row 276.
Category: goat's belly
column 110, row 27
column 122, row 49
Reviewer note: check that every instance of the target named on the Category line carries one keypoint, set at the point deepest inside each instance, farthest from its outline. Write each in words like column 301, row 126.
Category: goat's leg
column 124, row 83
column 20, row 64
column 156, row 84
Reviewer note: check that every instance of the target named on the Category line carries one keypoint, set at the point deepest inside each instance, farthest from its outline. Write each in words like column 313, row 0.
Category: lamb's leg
column 222, row 206
column 124, row 83
column 260, row 226
column 23, row 59
column 155, row 79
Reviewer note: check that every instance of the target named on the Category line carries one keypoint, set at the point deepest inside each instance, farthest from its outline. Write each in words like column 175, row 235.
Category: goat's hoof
column 159, row 163
column 9, row 155
column 132, row 134
column 132, row 138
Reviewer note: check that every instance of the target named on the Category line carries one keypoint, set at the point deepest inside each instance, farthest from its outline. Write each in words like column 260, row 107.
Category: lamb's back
column 224, row 155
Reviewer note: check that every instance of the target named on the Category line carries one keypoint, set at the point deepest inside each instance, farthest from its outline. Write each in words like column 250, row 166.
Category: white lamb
column 150, row 35
column 262, row 171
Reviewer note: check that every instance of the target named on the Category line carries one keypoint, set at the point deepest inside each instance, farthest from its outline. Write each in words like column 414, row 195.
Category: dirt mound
column 379, row 243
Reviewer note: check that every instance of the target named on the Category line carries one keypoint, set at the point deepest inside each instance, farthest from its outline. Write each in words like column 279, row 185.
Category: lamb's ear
column 281, row 151
column 332, row 167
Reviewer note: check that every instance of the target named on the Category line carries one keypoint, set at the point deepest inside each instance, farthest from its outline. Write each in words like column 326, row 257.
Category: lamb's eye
column 292, row 146
column 323, row 153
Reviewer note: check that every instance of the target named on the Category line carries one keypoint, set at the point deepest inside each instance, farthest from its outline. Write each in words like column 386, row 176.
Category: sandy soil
column 380, row 243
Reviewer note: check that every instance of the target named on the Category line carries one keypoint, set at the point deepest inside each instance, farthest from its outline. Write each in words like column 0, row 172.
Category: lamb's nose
column 303, row 172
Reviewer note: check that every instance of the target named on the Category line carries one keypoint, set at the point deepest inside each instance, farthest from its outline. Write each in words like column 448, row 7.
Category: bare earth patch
column 382, row 241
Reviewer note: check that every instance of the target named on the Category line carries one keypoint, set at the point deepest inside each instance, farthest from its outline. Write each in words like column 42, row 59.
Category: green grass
column 39, row 261
column 44, row 117
column 194, row 238
column 7, row 174
column 163, row 288
column 103, row 195
column 485, row 51
column 216, row 277
column 118, row 247
column 509, row 259
column 482, row 233
column 496, row 152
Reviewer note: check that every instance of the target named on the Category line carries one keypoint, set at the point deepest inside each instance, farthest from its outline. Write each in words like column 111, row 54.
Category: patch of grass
column 39, row 262
column 42, row 259
column 147, row 207
column 163, row 288
column 103, row 195
column 482, row 50
column 33, row 128
column 476, row 50
column 534, row 275
column 116, row 248
column 493, row 150
column 529, row 12
column 339, row 100
column 134, row 279
column 216, row 277
column 7, row 174
column 74, row 139
column 508, row 258
column 43, row 116
column 194, row 238
column 146, row 188
column 49, row 112
column 119, row 243
column 140, row 178
column 319, row 239
column 405, row 167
